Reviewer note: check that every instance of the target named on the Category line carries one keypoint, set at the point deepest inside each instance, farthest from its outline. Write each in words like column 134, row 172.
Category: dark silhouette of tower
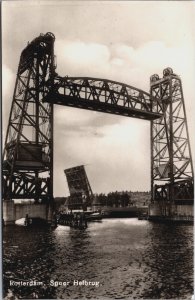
column 171, row 160
column 28, row 152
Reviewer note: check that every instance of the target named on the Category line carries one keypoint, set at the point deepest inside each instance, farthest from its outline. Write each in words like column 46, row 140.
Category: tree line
column 113, row 199
column 118, row 199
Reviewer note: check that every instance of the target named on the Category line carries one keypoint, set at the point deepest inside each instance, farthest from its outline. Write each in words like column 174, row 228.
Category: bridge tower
column 172, row 177
column 28, row 151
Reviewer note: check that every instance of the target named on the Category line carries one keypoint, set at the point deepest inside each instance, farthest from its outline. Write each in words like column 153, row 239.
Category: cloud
column 77, row 57
column 8, row 80
column 116, row 148
column 123, row 63
column 111, row 158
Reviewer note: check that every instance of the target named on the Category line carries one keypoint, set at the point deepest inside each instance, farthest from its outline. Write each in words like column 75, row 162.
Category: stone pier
column 14, row 211
column 184, row 210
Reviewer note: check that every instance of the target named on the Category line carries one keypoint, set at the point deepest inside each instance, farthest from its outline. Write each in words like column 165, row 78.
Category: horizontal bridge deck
column 104, row 96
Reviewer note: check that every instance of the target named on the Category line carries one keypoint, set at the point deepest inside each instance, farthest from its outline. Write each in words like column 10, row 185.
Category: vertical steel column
column 187, row 131
column 52, row 75
column 171, row 155
column 151, row 161
column 37, row 62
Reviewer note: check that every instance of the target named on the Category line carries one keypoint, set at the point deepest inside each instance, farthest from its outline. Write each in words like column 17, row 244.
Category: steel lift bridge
column 28, row 151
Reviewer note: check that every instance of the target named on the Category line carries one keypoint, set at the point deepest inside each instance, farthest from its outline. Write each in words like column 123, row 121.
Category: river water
column 125, row 258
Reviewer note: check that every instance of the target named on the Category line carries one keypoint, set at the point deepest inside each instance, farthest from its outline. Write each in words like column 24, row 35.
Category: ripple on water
column 131, row 259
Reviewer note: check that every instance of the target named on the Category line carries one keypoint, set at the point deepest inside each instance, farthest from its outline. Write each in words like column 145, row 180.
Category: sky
column 122, row 41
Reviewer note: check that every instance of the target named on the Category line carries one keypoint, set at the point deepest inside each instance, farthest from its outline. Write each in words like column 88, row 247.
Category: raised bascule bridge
column 28, row 151
column 81, row 195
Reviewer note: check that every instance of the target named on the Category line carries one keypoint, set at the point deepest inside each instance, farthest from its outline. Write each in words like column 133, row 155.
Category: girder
column 103, row 95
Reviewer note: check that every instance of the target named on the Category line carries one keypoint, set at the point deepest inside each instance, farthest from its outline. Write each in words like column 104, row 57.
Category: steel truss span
column 28, row 151
column 104, row 96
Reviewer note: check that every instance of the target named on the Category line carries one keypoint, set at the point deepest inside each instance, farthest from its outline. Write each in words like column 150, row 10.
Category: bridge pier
column 14, row 211
column 178, row 212
column 9, row 212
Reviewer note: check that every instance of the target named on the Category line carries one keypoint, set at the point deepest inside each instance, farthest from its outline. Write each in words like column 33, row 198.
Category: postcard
column 98, row 146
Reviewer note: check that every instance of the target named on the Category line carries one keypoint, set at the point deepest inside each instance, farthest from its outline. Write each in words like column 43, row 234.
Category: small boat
column 96, row 216
column 21, row 222
column 143, row 216
column 75, row 220
column 28, row 222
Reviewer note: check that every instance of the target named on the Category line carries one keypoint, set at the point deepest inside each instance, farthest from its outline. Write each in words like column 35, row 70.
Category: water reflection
column 170, row 257
column 28, row 256
column 131, row 259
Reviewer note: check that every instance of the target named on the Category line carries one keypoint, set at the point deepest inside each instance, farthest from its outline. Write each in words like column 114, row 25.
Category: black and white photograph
column 98, row 145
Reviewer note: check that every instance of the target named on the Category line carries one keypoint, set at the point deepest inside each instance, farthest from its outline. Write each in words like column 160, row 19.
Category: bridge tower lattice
column 172, row 175
column 28, row 152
